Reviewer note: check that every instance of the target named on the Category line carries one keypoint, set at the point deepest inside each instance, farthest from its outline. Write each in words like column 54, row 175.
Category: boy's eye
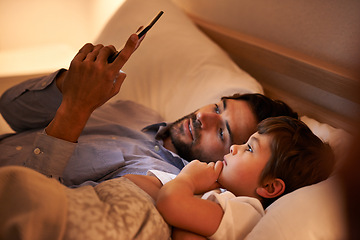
column 249, row 148
column 217, row 109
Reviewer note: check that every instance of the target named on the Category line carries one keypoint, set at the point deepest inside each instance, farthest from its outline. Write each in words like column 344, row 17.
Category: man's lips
column 189, row 128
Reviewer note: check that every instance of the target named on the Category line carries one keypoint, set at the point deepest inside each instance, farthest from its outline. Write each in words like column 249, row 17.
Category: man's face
column 208, row 133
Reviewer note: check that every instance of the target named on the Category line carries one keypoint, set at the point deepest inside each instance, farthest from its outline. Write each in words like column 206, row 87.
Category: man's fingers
column 105, row 52
column 140, row 41
column 90, row 52
column 92, row 55
column 139, row 29
column 83, row 52
column 88, row 47
column 126, row 51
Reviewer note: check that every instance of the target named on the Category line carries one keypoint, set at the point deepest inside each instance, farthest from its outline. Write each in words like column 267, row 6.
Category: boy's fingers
column 215, row 185
column 211, row 164
column 218, row 167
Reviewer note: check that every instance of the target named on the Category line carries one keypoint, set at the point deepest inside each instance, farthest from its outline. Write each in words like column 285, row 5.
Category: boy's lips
column 224, row 161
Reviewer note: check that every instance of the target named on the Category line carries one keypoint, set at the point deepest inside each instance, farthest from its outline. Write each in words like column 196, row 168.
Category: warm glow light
column 39, row 35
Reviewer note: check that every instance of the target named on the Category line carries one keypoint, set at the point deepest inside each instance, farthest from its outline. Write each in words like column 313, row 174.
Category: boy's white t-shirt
column 241, row 214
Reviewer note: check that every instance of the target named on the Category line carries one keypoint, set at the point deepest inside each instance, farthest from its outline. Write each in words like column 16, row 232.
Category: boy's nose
column 234, row 149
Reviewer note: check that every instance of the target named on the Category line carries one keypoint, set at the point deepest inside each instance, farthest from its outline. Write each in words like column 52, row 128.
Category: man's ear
column 272, row 188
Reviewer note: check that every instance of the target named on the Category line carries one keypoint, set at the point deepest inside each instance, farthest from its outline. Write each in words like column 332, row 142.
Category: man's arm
column 23, row 106
column 33, row 104
column 182, row 209
column 90, row 82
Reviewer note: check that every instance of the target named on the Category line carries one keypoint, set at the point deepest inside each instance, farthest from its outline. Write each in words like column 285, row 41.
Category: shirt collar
column 160, row 130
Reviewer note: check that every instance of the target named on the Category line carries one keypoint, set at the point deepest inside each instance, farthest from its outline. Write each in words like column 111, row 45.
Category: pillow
column 312, row 213
column 339, row 140
column 177, row 68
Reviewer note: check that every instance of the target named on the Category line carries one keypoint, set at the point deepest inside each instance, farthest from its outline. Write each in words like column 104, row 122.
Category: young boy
column 282, row 156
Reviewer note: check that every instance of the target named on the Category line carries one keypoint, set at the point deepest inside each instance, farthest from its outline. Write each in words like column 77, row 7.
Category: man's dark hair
column 264, row 107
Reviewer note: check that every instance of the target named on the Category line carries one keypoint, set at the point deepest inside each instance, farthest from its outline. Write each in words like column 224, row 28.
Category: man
column 63, row 132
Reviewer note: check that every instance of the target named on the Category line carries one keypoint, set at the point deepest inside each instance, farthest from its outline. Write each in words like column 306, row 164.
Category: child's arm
column 150, row 184
column 180, row 234
column 180, row 208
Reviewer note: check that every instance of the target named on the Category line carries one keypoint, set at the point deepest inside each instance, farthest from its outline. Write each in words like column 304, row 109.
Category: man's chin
column 182, row 149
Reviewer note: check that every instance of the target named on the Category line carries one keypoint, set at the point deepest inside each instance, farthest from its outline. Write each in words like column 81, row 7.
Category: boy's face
column 243, row 165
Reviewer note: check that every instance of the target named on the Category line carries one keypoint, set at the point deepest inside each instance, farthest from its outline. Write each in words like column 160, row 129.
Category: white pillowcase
column 339, row 140
column 177, row 69
column 312, row 213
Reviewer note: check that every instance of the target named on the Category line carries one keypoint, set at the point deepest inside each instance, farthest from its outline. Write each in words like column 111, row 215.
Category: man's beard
column 186, row 150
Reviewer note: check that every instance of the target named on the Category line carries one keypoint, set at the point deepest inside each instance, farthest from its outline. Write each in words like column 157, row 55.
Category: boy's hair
column 299, row 157
column 264, row 107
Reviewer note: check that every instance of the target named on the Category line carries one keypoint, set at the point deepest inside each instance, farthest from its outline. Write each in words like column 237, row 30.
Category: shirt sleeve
column 164, row 177
column 241, row 214
column 50, row 155
column 31, row 104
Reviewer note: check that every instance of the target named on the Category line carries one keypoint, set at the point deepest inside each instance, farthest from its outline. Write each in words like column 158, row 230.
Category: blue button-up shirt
column 113, row 143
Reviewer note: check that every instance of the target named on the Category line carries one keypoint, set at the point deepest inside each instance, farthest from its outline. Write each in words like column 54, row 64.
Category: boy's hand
column 201, row 176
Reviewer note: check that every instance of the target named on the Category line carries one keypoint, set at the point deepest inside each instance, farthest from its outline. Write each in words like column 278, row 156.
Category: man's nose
column 208, row 120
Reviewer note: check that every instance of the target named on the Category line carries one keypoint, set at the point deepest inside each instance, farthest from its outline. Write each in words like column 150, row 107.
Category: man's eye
column 249, row 148
column 217, row 109
column 221, row 134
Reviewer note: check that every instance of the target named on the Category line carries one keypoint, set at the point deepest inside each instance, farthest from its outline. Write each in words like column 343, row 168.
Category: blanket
column 32, row 206
column 36, row 207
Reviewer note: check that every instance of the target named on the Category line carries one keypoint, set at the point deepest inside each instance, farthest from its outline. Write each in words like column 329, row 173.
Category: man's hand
column 201, row 176
column 90, row 82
